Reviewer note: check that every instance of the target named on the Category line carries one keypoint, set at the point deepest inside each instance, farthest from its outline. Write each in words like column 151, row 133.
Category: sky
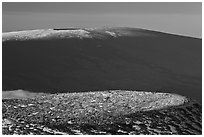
column 171, row 17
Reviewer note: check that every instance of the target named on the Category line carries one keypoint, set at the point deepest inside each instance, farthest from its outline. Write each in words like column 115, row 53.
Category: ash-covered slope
column 102, row 112
column 84, row 59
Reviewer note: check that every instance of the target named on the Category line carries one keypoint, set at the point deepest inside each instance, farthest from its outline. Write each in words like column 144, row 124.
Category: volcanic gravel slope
column 102, row 112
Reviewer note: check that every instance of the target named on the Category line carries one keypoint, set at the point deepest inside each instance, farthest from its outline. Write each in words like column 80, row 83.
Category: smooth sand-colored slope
column 99, row 59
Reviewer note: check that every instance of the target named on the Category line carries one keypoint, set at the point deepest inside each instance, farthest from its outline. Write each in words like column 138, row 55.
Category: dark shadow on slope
column 165, row 62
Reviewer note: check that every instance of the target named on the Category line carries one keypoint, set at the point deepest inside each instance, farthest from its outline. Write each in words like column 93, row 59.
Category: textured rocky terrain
column 103, row 112
column 55, row 63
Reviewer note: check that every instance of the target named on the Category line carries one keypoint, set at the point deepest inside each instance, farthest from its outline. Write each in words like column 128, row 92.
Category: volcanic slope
column 116, row 112
column 87, row 59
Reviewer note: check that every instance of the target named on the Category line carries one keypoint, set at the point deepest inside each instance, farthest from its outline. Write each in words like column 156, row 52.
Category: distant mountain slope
column 102, row 112
column 84, row 59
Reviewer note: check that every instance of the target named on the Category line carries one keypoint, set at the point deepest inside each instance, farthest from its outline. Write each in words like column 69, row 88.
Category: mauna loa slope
column 102, row 112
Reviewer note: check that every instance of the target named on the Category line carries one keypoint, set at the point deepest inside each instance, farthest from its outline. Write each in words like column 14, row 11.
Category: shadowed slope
column 101, row 59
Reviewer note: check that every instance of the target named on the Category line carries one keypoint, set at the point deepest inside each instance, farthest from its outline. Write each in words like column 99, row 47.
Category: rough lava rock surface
column 103, row 112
